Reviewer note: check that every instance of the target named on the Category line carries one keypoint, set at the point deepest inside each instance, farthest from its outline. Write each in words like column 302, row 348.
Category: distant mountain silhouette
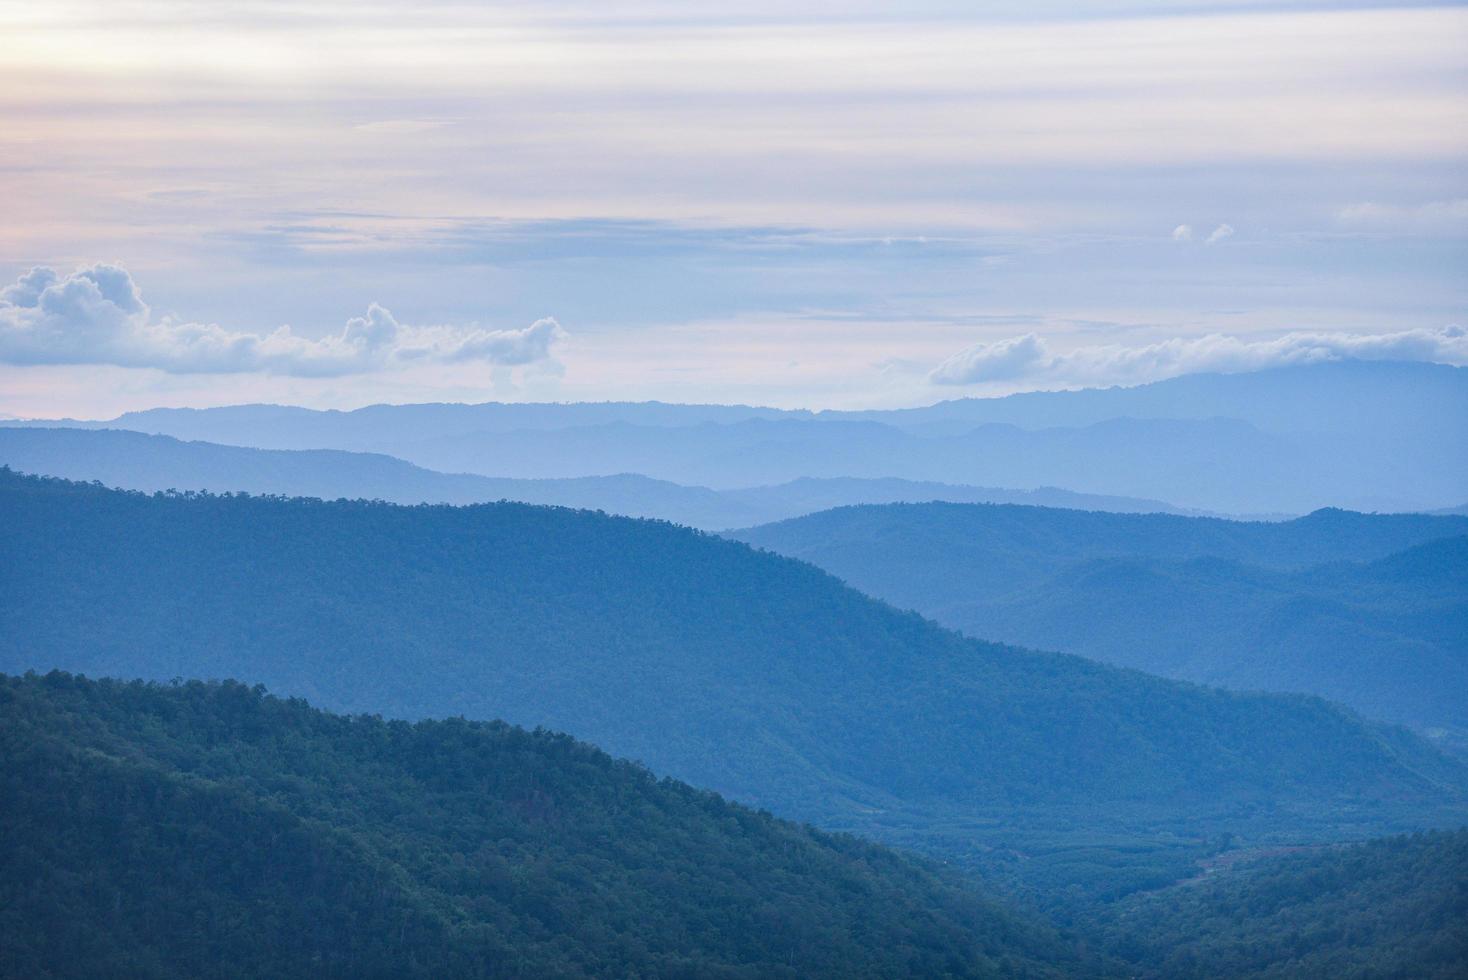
column 1194, row 462
column 1372, row 398
column 809, row 495
column 1368, row 610
column 135, row 461
column 754, row 675
column 1367, row 435
column 287, row 427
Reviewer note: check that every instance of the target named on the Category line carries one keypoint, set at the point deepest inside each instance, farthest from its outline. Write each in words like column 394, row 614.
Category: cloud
column 1182, row 233
column 1220, row 233
column 1029, row 358
column 97, row 315
column 1016, row 357
column 1450, row 216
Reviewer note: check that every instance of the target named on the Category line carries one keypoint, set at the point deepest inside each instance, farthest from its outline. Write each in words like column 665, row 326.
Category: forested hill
column 740, row 671
column 1367, row 609
column 1035, row 541
column 1386, row 908
column 210, row 830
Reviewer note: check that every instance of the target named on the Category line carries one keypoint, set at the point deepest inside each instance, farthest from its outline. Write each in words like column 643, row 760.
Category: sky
column 797, row 204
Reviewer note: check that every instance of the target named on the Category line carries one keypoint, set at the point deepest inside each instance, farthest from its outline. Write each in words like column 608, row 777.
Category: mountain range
column 757, row 676
column 1368, row 610
column 136, row 461
column 1364, row 435
column 446, row 573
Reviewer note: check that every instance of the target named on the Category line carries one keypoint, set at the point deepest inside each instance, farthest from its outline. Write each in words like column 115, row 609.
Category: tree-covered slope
column 1366, row 609
column 1036, row 541
column 211, row 830
column 1388, row 908
column 754, row 675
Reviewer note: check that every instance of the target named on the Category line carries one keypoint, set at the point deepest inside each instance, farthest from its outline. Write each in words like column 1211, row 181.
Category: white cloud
column 1016, row 357
column 97, row 315
column 1030, row 358
column 1182, row 233
column 1450, row 216
column 1220, row 233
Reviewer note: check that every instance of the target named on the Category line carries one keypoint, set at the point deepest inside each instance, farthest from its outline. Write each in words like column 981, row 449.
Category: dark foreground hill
column 210, row 830
column 1370, row 610
column 753, row 675
column 1387, row 908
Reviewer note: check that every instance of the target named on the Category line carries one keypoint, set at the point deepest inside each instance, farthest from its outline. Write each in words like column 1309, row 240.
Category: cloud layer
column 1029, row 358
column 96, row 315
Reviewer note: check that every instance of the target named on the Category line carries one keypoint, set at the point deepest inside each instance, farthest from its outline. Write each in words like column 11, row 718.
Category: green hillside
column 756, row 676
column 1387, row 908
column 1368, row 610
column 210, row 830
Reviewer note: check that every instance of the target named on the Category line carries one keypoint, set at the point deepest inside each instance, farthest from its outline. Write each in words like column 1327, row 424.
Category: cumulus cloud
column 1029, row 358
column 96, row 315
column 1220, row 233
column 1016, row 357
column 1182, row 233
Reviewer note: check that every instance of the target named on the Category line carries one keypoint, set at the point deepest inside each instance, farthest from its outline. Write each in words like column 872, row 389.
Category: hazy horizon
column 814, row 410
